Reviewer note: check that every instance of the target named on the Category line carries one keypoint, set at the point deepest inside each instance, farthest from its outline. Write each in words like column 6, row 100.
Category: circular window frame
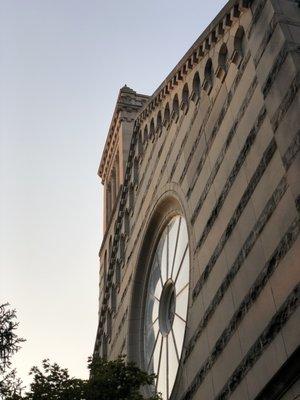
column 165, row 210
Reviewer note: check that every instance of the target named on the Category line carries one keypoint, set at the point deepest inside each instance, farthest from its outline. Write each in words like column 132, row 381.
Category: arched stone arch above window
column 158, row 123
column 196, row 88
column 152, row 130
column 175, row 109
column 239, row 46
column 222, row 62
column 185, row 98
column 167, row 116
column 208, row 76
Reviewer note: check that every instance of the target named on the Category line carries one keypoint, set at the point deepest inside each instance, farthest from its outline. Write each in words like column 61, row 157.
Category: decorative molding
column 204, row 43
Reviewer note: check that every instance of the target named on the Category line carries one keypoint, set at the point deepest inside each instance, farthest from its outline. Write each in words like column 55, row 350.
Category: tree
column 9, row 341
column 112, row 380
column 109, row 380
column 10, row 384
column 54, row 383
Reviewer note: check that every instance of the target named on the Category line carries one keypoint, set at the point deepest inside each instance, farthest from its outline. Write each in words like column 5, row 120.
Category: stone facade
column 218, row 142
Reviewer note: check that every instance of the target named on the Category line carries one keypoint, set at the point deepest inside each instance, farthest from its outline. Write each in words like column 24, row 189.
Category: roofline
column 197, row 50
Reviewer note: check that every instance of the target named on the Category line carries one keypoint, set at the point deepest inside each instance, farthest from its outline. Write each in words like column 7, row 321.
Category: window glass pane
column 178, row 328
column 156, row 355
column 162, row 373
column 182, row 277
column 151, row 310
column 155, row 284
column 173, row 232
column 162, row 255
column 182, row 302
column 173, row 363
column 151, row 342
column 168, row 279
column 182, row 245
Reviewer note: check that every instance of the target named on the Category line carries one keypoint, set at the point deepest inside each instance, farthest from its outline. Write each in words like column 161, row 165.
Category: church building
column 200, row 259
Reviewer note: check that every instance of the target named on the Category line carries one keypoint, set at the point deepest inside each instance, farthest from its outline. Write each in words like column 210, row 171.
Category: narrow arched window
column 175, row 109
column 167, row 115
column 222, row 62
column 239, row 45
column 185, row 99
column 223, row 56
column 152, row 130
column 196, row 87
column 158, row 123
column 208, row 76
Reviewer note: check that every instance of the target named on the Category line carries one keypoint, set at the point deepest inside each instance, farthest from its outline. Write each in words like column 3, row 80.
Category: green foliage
column 112, row 380
column 10, row 384
column 109, row 380
column 9, row 341
column 54, row 383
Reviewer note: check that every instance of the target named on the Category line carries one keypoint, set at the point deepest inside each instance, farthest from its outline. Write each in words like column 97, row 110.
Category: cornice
column 215, row 30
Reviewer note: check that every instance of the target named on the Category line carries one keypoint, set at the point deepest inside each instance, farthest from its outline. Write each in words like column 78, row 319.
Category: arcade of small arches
column 202, row 80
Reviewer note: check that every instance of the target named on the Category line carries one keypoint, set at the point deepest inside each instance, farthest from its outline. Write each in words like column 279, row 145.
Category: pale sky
column 62, row 63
